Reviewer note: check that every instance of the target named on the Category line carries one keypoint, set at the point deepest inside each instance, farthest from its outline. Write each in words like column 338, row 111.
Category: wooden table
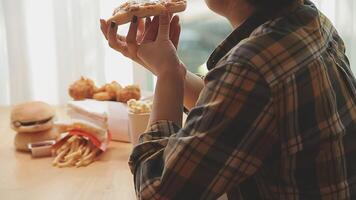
column 23, row 177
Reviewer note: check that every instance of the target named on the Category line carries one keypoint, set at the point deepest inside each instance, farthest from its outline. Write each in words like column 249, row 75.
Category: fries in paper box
column 81, row 145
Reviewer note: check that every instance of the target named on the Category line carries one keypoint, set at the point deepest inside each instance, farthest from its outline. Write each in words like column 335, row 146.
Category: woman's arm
column 168, row 99
column 192, row 88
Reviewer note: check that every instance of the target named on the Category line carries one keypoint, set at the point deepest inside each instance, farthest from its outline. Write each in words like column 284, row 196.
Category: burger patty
column 31, row 123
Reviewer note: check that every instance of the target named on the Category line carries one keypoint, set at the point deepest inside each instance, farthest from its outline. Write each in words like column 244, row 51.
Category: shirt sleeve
column 225, row 140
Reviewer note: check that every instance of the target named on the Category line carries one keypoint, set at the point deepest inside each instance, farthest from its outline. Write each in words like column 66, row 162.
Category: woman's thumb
column 164, row 23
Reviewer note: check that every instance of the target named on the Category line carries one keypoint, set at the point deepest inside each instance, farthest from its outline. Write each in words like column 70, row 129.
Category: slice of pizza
column 146, row 8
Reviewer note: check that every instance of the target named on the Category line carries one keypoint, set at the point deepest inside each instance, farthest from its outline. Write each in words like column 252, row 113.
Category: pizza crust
column 127, row 11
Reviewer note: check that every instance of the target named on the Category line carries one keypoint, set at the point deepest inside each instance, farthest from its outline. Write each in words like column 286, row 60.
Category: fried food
column 129, row 92
column 86, row 89
column 76, row 151
column 82, row 89
column 102, row 96
column 111, row 89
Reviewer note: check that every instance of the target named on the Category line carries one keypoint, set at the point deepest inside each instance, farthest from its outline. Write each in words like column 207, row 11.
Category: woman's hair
column 268, row 4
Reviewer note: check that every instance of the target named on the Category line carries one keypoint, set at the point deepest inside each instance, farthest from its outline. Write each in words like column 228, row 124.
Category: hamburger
column 22, row 140
column 33, row 122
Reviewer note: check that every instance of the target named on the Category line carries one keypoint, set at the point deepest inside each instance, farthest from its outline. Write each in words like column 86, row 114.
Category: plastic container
column 41, row 149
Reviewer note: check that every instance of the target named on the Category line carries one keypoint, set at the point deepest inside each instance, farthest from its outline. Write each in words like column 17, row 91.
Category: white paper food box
column 106, row 114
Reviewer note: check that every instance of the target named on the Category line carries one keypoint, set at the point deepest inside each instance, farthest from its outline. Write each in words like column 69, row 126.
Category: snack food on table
column 139, row 115
column 102, row 96
column 33, row 122
column 129, row 92
column 86, row 89
column 139, row 107
column 76, row 151
column 32, row 117
column 84, row 142
column 146, row 8
column 112, row 89
column 22, row 140
column 82, row 89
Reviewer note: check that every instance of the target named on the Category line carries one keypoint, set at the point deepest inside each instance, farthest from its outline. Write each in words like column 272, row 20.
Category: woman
column 273, row 119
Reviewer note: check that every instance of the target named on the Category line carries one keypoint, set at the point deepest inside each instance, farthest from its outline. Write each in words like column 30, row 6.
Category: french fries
column 76, row 151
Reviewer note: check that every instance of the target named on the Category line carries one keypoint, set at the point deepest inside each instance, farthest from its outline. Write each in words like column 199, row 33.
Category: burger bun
column 32, row 117
column 23, row 139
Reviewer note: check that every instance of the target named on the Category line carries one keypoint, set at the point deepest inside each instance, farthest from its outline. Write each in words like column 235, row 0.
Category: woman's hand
column 152, row 45
column 118, row 42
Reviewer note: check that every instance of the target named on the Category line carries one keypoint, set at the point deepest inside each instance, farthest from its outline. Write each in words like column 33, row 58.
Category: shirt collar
column 240, row 33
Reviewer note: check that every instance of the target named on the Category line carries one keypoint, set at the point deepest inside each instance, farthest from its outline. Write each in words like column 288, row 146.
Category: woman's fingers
column 111, row 35
column 104, row 27
column 176, row 36
column 151, row 32
column 174, row 32
column 164, row 24
column 140, row 30
column 104, row 30
column 131, row 38
column 147, row 23
column 147, row 26
column 113, row 41
column 121, row 38
column 173, row 25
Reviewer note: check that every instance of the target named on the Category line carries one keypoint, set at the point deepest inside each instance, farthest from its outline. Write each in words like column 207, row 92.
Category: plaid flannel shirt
column 275, row 120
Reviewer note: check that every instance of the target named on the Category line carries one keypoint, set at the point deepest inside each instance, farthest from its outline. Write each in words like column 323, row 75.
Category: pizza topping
column 149, row 4
column 169, row 4
column 125, row 5
column 133, row 8
column 174, row 3
column 136, row 5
